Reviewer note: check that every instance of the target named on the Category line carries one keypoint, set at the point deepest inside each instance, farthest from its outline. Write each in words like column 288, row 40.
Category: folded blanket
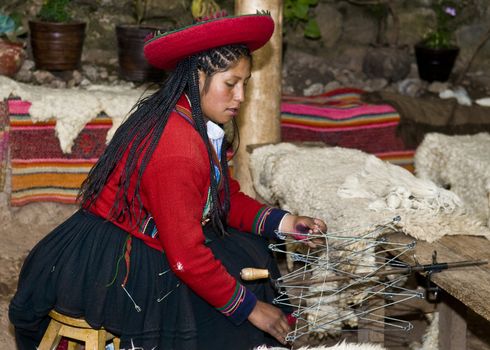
column 40, row 170
column 43, row 170
column 341, row 118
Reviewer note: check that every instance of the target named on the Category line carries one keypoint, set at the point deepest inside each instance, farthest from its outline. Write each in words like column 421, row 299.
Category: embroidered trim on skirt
column 78, row 270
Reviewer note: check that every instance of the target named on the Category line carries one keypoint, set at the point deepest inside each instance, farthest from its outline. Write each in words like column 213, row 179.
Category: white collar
column 214, row 131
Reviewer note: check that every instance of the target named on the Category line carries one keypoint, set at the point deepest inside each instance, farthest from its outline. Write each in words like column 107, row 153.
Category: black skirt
column 79, row 268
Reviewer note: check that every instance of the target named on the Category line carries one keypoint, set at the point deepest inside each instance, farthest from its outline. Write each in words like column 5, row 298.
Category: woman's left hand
column 302, row 226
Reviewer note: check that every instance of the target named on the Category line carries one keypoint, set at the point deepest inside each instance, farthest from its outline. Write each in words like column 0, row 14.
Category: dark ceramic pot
column 435, row 64
column 57, row 46
column 132, row 62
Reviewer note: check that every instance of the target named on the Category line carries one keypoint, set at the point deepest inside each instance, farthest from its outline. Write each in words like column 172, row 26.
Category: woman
column 155, row 251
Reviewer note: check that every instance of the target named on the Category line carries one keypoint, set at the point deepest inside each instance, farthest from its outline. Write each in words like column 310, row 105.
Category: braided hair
column 143, row 128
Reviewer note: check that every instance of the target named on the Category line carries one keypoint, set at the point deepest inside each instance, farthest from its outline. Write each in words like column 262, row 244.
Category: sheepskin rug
column 349, row 188
column 461, row 163
column 74, row 108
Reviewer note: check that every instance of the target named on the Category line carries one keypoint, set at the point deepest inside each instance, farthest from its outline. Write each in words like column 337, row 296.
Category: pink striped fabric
column 40, row 170
column 340, row 118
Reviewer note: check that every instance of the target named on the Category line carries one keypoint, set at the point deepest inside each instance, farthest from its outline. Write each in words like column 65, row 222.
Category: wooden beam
column 452, row 324
column 469, row 285
column 259, row 119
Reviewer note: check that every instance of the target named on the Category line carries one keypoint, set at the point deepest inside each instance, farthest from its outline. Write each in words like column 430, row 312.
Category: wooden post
column 259, row 119
column 452, row 323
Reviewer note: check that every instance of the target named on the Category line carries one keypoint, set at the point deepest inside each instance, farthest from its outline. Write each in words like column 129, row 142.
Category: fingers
column 320, row 225
column 271, row 320
column 279, row 325
column 312, row 225
column 303, row 227
column 280, row 330
column 316, row 227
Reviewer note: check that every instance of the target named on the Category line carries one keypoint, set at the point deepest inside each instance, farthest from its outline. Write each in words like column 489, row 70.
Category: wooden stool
column 75, row 328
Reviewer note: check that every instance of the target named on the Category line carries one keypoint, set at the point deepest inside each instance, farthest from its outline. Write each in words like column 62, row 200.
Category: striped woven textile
column 340, row 118
column 4, row 141
column 40, row 170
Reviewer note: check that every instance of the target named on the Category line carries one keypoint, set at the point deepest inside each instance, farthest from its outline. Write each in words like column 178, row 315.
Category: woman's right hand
column 270, row 319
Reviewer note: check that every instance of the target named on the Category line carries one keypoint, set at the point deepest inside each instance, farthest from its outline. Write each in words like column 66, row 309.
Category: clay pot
column 57, row 46
column 12, row 55
column 132, row 63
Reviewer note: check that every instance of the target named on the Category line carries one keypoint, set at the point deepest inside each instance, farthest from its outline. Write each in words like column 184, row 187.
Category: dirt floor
column 21, row 228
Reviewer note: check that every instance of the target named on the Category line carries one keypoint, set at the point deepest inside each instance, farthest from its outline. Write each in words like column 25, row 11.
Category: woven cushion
column 340, row 118
column 40, row 170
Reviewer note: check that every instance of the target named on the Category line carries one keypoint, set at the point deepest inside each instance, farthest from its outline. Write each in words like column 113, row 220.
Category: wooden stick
column 251, row 274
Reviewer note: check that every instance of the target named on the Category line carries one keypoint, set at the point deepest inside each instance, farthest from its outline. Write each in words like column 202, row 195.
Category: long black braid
column 144, row 127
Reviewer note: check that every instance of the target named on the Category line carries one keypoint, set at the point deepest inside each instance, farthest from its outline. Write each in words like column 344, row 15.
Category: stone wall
column 351, row 39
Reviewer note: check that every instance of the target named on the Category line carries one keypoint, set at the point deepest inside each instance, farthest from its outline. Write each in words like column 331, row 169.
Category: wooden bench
column 462, row 289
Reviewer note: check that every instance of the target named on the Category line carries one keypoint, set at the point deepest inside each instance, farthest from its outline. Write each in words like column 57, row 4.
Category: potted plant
column 298, row 12
column 437, row 52
column 56, row 39
column 130, row 41
column 131, row 38
column 12, row 52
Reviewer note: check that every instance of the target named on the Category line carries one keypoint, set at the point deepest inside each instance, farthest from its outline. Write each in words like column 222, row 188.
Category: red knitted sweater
column 174, row 190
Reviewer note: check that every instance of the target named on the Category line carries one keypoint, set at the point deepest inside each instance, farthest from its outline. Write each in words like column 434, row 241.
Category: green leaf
column 312, row 30
column 55, row 11
column 301, row 11
column 309, row 2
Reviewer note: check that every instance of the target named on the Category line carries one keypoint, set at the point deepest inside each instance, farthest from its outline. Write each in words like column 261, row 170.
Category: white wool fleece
column 74, row 108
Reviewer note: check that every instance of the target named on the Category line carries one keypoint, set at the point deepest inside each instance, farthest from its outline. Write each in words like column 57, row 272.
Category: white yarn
column 73, row 108
column 393, row 187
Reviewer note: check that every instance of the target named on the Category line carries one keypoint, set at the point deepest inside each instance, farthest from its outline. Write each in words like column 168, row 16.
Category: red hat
column 165, row 50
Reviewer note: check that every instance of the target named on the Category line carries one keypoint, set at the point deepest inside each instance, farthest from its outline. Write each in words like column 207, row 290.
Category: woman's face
column 221, row 99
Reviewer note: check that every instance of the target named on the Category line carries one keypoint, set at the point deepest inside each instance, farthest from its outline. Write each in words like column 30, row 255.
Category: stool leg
column 51, row 337
column 96, row 340
column 72, row 345
column 117, row 343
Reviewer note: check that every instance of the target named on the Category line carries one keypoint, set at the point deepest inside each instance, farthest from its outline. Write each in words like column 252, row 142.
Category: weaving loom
column 338, row 282
column 352, row 192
